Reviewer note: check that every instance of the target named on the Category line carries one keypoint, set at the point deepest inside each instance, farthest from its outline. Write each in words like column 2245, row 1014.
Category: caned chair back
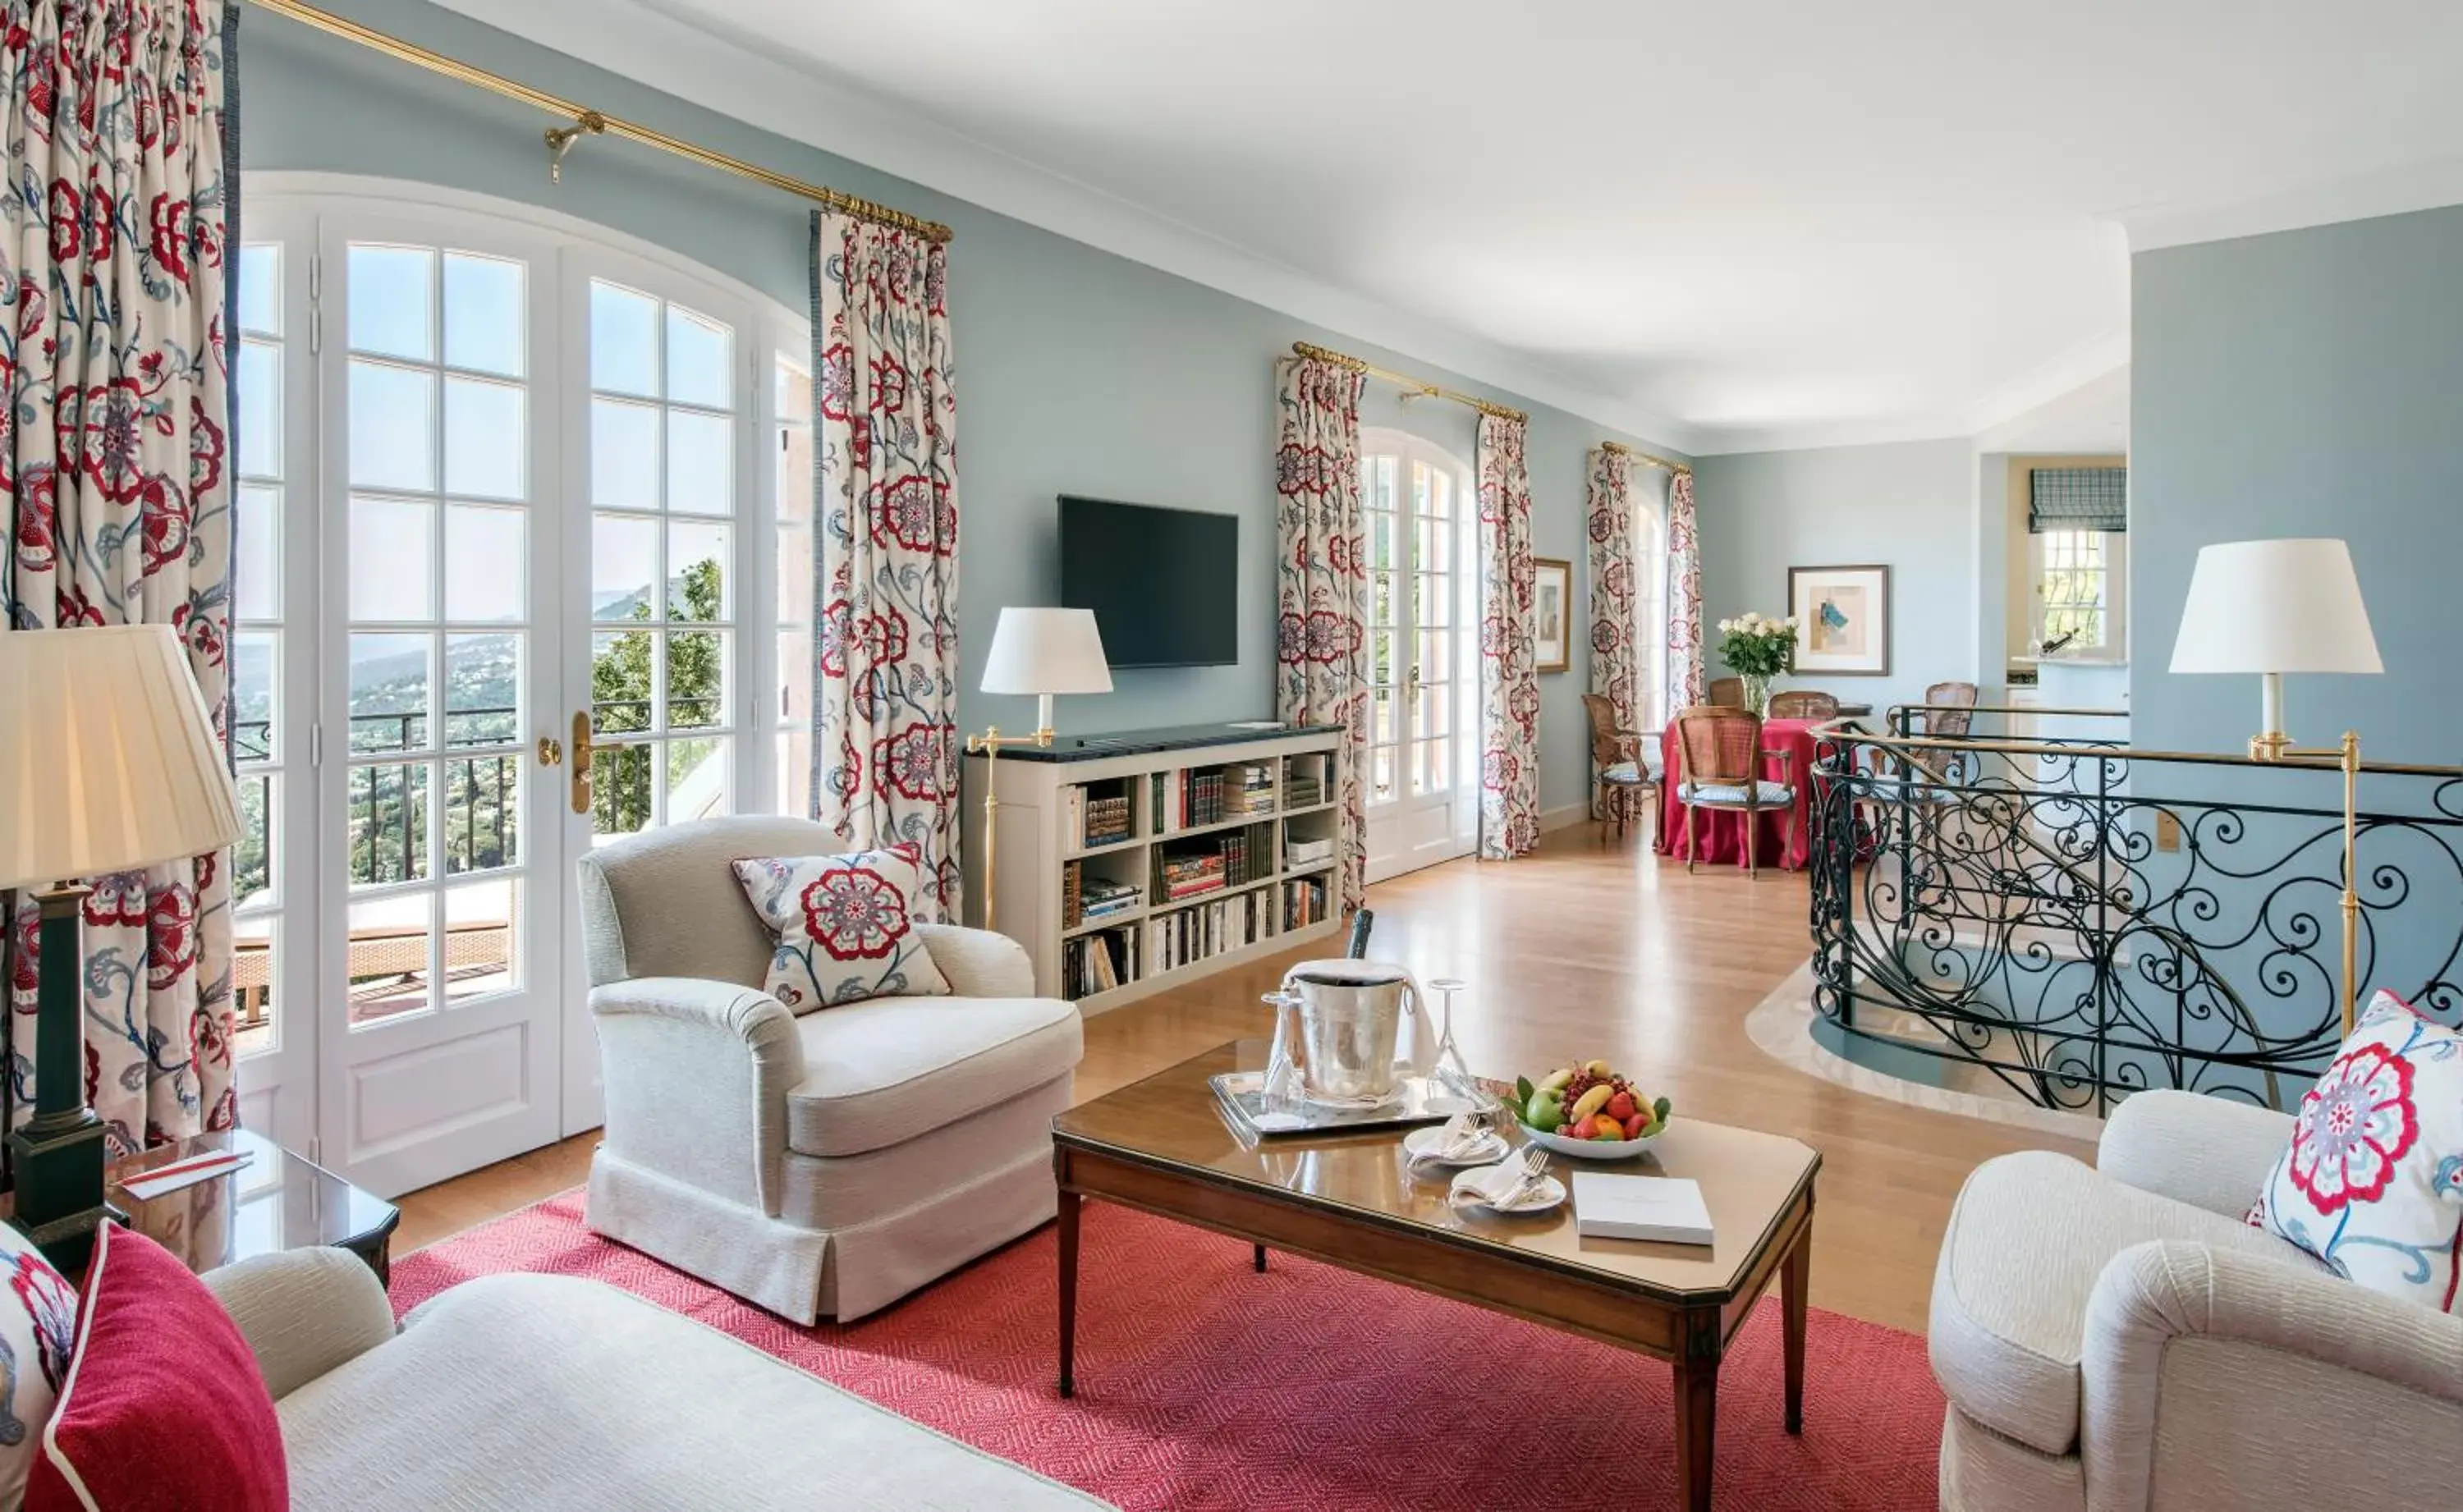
column 1728, row 692
column 1608, row 744
column 1950, row 722
column 1719, row 744
column 1803, row 703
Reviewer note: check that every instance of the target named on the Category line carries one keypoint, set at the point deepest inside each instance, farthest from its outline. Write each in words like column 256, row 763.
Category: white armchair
column 820, row 1165
column 2118, row 1339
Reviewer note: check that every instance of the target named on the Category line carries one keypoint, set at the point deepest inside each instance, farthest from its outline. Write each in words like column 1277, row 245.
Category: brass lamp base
column 989, row 746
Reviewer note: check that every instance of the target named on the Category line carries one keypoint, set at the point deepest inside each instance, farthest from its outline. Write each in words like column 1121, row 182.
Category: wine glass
column 1451, row 1074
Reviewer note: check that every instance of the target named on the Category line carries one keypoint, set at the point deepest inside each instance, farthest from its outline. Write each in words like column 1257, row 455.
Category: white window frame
column 2115, row 620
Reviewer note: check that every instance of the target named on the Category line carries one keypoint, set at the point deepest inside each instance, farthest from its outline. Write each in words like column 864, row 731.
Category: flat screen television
column 1163, row 584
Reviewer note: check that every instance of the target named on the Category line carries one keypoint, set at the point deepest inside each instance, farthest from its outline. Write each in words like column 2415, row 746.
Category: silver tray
column 1243, row 1097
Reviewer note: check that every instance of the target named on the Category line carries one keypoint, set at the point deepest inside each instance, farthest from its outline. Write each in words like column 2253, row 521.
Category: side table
column 277, row 1202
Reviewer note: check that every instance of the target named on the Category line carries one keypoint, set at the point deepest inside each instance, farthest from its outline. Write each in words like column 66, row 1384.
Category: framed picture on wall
column 1843, row 615
column 1552, row 614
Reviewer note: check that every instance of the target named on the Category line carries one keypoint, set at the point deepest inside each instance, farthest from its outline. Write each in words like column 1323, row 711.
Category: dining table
column 1721, row 832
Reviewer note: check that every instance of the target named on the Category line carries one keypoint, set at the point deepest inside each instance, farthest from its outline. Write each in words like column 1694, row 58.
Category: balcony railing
column 2083, row 921
column 389, row 802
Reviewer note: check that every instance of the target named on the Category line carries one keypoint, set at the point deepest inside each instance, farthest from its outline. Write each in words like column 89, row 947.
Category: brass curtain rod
column 1647, row 458
column 1415, row 387
column 585, row 120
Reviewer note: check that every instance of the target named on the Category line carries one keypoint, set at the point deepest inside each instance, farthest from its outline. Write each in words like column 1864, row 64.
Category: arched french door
column 1419, row 517
column 513, row 507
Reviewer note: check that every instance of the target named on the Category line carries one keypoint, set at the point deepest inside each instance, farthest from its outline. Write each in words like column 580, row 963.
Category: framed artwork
column 1552, row 612
column 1843, row 615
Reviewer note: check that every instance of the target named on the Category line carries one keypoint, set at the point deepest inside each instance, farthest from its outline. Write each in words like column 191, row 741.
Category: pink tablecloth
column 1722, row 835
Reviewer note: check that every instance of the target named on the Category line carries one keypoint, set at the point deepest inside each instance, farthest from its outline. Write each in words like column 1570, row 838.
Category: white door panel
column 1420, row 515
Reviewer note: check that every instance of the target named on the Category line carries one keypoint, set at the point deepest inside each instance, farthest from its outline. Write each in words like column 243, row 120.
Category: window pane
column 487, row 562
column 791, row 393
column 795, row 479
column 388, row 828
column 482, row 922
column 255, row 673
column 794, row 575
column 393, row 560
column 1381, row 774
column 260, row 410
column 389, row 684
column 697, row 573
column 482, row 809
column 696, row 774
column 483, row 679
column 696, row 680
column 1432, row 776
column 623, row 340
column 623, row 568
column 393, row 427
column 484, row 454
column 258, row 547
column 254, row 977
column 701, row 360
column 624, row 455
column 619, row 684
column 393, row 311
column 484, row 328
column 260, row 288
column 388, row 962
column 620, row 790
column 701, row 463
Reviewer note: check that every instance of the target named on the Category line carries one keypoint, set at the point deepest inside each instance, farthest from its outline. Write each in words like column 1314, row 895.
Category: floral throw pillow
column 2374, row 1181
column 38, row 1312
column 844, row 924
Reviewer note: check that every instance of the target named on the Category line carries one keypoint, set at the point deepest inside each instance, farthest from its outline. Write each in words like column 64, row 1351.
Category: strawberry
column 1621, row 1107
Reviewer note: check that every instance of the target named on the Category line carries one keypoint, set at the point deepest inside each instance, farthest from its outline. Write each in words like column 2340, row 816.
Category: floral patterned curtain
column 113, row 455
column 1685, row 685
column 1612, row 585
column 1321, row 583
column 1509, row 682
column 886, row 576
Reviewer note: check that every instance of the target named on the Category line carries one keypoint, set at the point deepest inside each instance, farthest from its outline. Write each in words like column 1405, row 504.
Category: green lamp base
column 59, row 1152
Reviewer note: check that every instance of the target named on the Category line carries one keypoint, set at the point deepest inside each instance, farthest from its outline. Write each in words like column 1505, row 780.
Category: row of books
column 1193, row 934
column 1183, row 798
column 1297, row 851
column 1190, row 876
column 1095, row 821
column 1092, row 964
column 1307, row 780
column 1304, row 902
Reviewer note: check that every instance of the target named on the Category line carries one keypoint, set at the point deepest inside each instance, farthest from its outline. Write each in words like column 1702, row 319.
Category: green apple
column 1544, row 1113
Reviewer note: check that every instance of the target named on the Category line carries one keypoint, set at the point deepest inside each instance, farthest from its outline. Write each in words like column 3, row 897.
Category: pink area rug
column 1202, row 1384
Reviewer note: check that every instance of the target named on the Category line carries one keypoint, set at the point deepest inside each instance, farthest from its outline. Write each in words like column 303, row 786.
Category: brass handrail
column 2320, row 760
column 587, row 121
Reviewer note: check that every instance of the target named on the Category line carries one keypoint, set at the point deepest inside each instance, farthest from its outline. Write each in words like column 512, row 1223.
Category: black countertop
column 1141, row 742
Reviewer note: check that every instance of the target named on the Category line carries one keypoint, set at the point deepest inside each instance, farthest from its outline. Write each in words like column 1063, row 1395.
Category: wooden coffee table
column 1163, row 1145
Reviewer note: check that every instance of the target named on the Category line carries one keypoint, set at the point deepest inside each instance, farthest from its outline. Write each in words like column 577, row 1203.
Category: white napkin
column 1493, row 1184
column 1460, row 1138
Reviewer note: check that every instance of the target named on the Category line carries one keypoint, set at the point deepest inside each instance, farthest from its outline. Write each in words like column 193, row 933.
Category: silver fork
column 1535, row 1170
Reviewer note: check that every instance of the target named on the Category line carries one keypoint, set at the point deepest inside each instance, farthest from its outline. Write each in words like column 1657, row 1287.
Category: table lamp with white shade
column 1043, row 651
column 2273, row 606
column 108, row 763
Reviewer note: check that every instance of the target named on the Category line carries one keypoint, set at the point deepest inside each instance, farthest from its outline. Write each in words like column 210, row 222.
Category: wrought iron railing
column 2083, row 921
column 388, row 802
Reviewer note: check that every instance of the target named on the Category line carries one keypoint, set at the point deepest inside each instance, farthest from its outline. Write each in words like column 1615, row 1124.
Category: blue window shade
column 2078, row 499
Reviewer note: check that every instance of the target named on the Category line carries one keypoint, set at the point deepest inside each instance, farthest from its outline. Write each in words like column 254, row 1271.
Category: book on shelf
column 1071, row 899
column 1307, row 853
column 1304, row 902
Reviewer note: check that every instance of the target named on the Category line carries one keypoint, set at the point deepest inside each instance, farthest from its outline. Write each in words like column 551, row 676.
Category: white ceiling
column 1728, row 226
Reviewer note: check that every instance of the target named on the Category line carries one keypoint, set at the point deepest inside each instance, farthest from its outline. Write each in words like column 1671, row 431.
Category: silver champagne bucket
column 1338, row 1039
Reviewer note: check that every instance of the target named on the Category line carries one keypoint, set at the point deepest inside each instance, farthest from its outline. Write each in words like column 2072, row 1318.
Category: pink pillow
column 2372, row 1183
column 163, row 1407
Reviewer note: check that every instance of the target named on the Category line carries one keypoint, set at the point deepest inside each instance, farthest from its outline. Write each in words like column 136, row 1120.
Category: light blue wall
column 1912, row 504
column 1077, row 371
column 2303, row 384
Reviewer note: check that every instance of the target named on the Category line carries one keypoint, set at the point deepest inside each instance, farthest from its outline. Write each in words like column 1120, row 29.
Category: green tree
column 620, row 690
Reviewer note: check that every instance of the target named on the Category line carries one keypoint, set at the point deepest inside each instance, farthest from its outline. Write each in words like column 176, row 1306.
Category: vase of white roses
column 1757, row 649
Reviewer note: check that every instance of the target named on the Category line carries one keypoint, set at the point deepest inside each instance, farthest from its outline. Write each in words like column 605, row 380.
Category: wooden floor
column 1579, row 950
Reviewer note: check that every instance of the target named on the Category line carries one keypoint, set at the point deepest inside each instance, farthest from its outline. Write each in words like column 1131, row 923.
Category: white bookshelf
column 1040, row 837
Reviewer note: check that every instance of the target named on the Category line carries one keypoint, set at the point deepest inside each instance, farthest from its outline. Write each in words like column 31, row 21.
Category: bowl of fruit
column 1589, row 1112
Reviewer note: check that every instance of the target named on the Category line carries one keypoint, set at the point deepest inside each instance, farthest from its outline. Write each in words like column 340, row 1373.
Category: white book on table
column 1667, row 1209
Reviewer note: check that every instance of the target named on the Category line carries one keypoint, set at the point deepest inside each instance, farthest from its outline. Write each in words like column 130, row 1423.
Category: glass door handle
column 581, row 762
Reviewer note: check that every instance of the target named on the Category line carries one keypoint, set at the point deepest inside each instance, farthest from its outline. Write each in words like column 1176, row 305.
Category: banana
column 1556, row 1080
column 1597, row 1068
column 1589, row 1103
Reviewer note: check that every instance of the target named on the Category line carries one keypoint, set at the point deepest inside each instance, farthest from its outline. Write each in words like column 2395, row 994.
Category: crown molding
column 2425, row 185
column 653, row 48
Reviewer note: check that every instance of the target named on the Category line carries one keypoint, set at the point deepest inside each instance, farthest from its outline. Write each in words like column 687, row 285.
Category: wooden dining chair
column 1720, row 765
column 1803, row 703
column 1727, row 693
column 1621, row 774
column 1957, row 721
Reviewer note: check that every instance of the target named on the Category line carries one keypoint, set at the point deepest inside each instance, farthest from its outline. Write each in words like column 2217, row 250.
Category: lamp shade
column 2274, row 606
column 108, row 760
column 1047, row 651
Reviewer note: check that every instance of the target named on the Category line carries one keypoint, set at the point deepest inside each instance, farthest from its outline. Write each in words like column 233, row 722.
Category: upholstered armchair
column 825, row 1164
column 2120, row 1339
